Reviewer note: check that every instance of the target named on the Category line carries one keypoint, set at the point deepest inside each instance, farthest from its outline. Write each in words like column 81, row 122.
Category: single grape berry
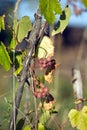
column 41, row 90
column 49, row 63
column 46, row 90
column 40, row 61
column 39, row 95
column 48, row 59
column 43, row 94
column 35, row 94
column 42, row 85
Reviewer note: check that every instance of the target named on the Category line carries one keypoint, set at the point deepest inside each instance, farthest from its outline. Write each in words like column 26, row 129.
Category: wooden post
column 77, row 87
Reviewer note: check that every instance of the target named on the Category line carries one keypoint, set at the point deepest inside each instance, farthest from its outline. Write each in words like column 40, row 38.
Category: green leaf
column 20, row 30
column 15, row 26
column 49, row 15
column 63, row 21
column 85, row 3
column 40, row 126
column 44, row 117
column 5, row 60
column 82, row 120
column 78, row 119
column 73, row 117
column 49, row 8
column 19, row 62
column 12, row 44
column 14, row 41
column 20, row 65
column 2, row 24
column 43, row 5
column 20, row 124
column 27, row 127
column 56, row 6
column 23, row 28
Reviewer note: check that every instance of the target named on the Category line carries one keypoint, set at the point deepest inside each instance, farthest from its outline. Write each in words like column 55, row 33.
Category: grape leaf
column 40, row 126
column 20, row 30
column 2, row 24
column 27, row 127
column 56, row 6
column 49, row 77
column 63, row 21
column 78, row 119
column 5, row 60
column 49, row 8
column 82, row 120
column 23, row 28
column 73, row 117
column 20, row 124
column 12, row 44
column 19, row 62
column 20, row 65
column 15, row 26
column 85, row 3
column 44, row 117
column 46, row 48
column 43, row 5
column 49, row 15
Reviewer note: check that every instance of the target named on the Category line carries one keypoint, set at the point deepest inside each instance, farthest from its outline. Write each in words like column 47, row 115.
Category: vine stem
column 35, row 104
column 31, row 42
column 43, row 29
column 16, row 8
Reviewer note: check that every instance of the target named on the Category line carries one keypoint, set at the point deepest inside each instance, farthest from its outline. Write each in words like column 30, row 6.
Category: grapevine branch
column 31, row 42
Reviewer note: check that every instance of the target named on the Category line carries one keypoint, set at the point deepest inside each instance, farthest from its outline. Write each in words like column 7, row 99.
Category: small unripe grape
column 37, row 90
column 41, row 68
column 46, row 90
column 39, row 95
column 49, row 63
column 41, row 90
column 35, row 94
column 35, row 82
column 40, row 61
column 43, row 94
column 44, row 65
column 48, row 59
column 42, row 85
column 44, row 61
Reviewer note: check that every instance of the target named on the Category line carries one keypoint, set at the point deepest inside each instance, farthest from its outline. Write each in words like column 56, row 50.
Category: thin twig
column 35, row 104
column 16, row 8
column 43, row 29
column 27, row 99
column 12, row 125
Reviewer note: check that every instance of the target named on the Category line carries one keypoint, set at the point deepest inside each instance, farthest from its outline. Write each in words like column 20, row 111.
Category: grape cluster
column 41, row 91
column 45, row 62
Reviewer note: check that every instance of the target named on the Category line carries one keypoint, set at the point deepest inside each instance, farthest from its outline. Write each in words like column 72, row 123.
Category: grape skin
column 42, row 91
column 45, row 62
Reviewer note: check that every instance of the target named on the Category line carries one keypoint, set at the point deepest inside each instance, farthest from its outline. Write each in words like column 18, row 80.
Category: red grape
column 46, row 90
column 42, row 85
column 43, row 94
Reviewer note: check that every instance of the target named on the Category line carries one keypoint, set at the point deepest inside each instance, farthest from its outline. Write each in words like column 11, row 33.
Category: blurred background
column 70, row 51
